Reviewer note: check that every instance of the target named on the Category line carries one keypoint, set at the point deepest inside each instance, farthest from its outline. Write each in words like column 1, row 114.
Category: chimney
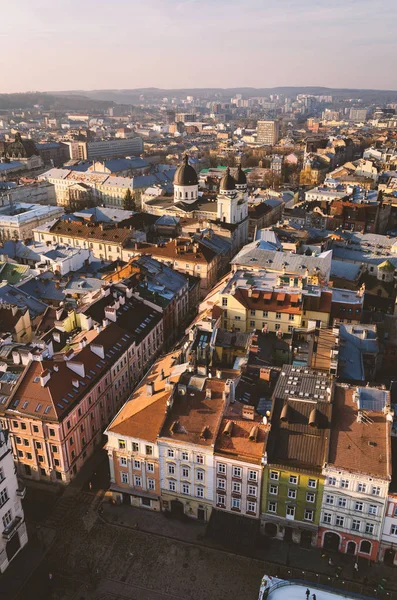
column 150, row 389
column 248, row 412
column 219, row 373
column 105, row 323
column 208, row 393
column 45, row 377
column 228, row 428
column 75, row 383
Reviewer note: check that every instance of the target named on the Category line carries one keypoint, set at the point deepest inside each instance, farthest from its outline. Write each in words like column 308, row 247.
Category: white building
column 14, row 534
column 388, row 542
column 17, row 221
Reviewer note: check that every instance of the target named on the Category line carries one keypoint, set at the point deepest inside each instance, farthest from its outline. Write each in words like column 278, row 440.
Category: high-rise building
column 267, row 132
column 358, row 114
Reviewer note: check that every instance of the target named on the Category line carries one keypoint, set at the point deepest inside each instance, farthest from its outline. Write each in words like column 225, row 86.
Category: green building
column 297, row 450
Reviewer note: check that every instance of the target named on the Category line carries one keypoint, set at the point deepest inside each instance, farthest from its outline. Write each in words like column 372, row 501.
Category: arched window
column 365, row 547
column 186, row 194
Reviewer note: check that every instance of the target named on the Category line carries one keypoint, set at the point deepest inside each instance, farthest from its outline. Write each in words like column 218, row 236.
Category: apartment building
column 106, row 242
column 186, row 445
column 190, row 258
column 357, row 473
column 132, row 445
column 248, row 309
column 239, row 457
column 297, row 450
column 58, row 409
column 18, row 221
column 388, row 541
column 268, row 132
column 16, row 321
column 14, row 534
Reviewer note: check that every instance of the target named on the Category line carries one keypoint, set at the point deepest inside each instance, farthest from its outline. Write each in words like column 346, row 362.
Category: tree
column 129, row 203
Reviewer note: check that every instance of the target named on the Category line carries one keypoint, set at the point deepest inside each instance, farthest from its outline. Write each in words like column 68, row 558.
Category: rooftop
column 359, row 446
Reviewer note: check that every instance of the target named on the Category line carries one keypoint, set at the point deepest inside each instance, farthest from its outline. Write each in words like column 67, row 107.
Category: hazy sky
column 99, row 44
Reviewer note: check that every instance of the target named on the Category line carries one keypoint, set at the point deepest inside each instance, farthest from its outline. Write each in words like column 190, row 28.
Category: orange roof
column 143, row 415
column 359, row 447
column 233, row 439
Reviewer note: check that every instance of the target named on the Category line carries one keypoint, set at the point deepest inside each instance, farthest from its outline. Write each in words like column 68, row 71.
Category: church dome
column 228, row 182
column 241, row 178
column 185, row 173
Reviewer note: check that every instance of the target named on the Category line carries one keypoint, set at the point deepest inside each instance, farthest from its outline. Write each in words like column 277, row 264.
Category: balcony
column 12, row 527
column 21, row 491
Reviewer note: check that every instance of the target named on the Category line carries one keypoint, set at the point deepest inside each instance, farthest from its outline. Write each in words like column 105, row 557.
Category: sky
column 124, row 44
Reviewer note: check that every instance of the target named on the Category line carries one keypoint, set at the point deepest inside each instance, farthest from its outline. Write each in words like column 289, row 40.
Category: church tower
column 185, row 183
column 233, row 204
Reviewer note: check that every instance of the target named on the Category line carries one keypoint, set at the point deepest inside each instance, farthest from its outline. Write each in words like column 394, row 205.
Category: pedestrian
column 90, row 485
column 307, row 594
column 314, row 597
column 330, row 562
column 355, row 568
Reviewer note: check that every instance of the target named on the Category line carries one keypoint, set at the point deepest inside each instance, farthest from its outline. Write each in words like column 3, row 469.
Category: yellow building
column 248, row 309
column 317, row 308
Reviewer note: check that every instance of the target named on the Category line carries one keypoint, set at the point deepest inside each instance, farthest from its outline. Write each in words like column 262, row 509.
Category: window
column 290, row 329
column 2, row 474
column 290, row 512
column 252, row 490
column 361, row 487
column 185, row 488
column 252, row 312
column 137, row 464
column 150, row 467
column 7, row 518
column 137, row 481
column 252, row 475
column 221, row 484
column 339, row 521
column 56, row 462
column 265, row 313
column 236, row 503
column 185, row 455
column 277, row 326
column 200, row 492
column 23, row 425
column 292, row 494
column 274, row 475
column 26, row 442
column 151, row 484
column 35, row 429
column 273, row 490
column 327, row 518
column 310, row 497
column 170, row 453
column 272, row 507
column 251, row 506
column 237, row 472
column 369, row 528
column 224, row 301
column 291, row 317
column 185, row 472
column 375, row 490
column 200, row 459
column 3, row 496
column 329, row 499
column 293, row 479
column 123, row 461
column 365, row 547
column 200, row 475
column 38, row 445
column 124, row 477
column 342, row 502
column 236, row 487
column 359, row 506
column 135, row 447
column 220, row 500
column 308, row 516
column 331, row 480
column 344, row 483
column 149, row 450
column 372, row 509
column 393, row 530
column 122, row 445
column 356, row 525
column 278, row 315
column 252, row 323
column 171, row 469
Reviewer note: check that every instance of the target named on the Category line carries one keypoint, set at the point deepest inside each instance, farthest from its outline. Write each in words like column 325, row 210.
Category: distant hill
column 53, row 101
column 125, row 96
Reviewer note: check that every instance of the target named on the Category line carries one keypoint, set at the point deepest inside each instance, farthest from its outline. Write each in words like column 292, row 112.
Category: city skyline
column 169, row 44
